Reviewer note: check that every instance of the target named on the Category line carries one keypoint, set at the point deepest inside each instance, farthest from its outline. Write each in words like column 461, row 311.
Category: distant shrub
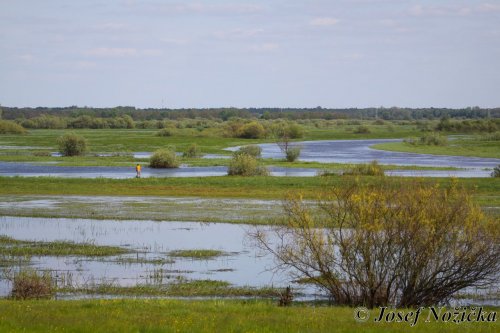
column 252, row 150
column 165, row 132
column 29, row 284
column 252, row 130
column 45, row 121
column 371, row 169
column 192, row 151
column 491, row 137
column 71, row 144
column 496, row 172
column 246, row 165
column 362, row 130
column 295, row 131
column 292, row 153
column 379, row 122
column 164, row 158
column 429, row 139
column 466, row 126
column 42, row 153
column 10, row 127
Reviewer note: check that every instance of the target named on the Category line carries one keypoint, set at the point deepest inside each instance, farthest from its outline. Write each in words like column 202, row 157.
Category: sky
column 260, row 53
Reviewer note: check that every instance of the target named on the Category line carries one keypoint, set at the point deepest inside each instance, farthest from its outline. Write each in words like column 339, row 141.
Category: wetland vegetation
column 114, row 137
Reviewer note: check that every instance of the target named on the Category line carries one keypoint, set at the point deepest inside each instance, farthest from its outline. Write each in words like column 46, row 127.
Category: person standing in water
column 138, row 171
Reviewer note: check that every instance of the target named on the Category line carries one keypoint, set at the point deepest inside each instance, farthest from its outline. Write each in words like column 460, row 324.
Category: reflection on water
column 152, row 240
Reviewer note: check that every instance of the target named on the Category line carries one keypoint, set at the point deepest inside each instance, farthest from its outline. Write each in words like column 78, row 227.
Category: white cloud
column 264, row 47
column 238, row 33
column 122, row 52
column 489, row 7
column 324, row 21
column 27, row 57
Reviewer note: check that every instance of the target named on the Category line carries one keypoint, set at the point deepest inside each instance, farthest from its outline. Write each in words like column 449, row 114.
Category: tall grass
column 28, row 284
column 370, row 169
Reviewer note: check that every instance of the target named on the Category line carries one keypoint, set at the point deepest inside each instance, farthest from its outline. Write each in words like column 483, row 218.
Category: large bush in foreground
column 164, row 158
column 71, row 144
column 245, row 165
column 414, row 244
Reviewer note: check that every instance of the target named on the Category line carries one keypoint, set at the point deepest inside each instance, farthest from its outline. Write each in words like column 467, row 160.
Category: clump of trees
column 479, row 125
column 429, row 139
column 193, row 151
column 164, row 158
column 71, row 144
column 283, row 134
column 10, row 127
column 415, row 244
column 252, row 130
column 362, row 130
column 252, row 150
column 243, row 164
column 165, row 132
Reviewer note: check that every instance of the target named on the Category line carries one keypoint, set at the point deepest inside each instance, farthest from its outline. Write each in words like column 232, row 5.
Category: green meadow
column 220, row 315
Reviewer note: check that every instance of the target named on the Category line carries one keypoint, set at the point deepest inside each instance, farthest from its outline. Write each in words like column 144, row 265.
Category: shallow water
column 32, row 170
column 329, row 151
column 359, row 151
column 244, row 265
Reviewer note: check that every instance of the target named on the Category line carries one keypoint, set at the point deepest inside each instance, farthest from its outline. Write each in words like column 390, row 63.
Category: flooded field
column 143, row 208
column 149, row 260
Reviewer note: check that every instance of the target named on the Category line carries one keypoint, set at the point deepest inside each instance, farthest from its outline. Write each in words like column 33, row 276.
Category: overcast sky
column 296, row 53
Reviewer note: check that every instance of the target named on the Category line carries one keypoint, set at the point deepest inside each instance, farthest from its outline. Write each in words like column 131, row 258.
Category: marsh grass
column 197, row 254
column 177, row 288
column 370, row 169
column 28, row 284
column 13, row 247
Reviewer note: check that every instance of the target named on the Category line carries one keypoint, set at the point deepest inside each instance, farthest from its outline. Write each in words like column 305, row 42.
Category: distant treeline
column 125, row 114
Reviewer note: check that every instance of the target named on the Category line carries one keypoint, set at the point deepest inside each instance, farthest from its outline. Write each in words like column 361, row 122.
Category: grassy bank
column 199, row 316
column 473, row 148
column 484, row 189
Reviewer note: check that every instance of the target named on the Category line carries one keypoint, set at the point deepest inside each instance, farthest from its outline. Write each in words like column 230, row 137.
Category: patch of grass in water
column 197, row 254
column 14, row 247
column 181, row 288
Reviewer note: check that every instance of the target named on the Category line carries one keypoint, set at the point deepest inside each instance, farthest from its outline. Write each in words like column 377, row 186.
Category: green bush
column 295, row 131
column 245, row 165
column 371, row 169
column 165, row 132
column 496, row 172
column 252, row 130
column 429, row 139
column 29, row 284
column 164, row 158
column 292, row 153
column 71, row 144
column 10, row 127
column 362, row 130
column 252, row 150
column 193, row 151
